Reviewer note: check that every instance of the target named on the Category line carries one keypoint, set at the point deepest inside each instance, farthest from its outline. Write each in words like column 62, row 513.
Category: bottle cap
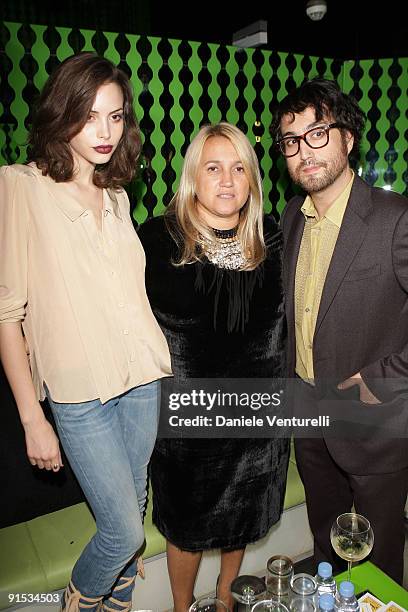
column 326, row 602
column 346, row 589
column 324, row 569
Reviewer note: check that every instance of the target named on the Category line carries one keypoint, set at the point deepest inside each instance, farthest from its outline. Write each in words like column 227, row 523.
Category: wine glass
column 352, row 538
column 208, row 604
column 247, row 590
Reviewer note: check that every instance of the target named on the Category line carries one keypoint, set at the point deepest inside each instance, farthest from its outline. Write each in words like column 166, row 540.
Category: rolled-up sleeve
column 13, row 245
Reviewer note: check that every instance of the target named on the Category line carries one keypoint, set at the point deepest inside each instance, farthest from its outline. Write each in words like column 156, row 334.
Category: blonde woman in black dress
column 213, row 278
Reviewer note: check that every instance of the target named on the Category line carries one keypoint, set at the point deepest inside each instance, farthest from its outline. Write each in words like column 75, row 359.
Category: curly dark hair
column 328, row 101
column 62, row 111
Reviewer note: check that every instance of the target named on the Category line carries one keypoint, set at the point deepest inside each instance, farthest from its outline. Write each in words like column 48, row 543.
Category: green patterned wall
column 180, row 85
column 381, row 87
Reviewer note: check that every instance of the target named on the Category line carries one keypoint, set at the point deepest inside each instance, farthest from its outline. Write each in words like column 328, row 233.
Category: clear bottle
column 326, row 602
column 345, row 599
column 324, row 579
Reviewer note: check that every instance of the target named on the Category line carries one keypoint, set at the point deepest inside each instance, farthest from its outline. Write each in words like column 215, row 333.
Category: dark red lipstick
column 105, row 149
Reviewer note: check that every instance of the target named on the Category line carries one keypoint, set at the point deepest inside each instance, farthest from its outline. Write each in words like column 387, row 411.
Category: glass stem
column 349, row 571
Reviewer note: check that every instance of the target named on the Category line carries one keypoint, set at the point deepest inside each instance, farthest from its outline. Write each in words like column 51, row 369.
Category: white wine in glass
column 352, row 538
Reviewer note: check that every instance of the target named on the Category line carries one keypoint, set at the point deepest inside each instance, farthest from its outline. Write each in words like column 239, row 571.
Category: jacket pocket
column 361, row 273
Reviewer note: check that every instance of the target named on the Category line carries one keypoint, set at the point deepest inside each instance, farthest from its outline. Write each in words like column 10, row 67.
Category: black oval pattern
column 386, row 158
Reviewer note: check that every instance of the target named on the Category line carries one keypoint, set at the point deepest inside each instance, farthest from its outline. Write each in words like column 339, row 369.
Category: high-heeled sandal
column 74, row 601
column 123, row 606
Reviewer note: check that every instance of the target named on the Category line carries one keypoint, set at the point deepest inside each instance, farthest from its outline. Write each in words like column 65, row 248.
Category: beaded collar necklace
column 225, row 251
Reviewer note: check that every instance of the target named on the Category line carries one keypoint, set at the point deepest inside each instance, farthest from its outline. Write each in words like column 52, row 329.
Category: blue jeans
column 108, row 447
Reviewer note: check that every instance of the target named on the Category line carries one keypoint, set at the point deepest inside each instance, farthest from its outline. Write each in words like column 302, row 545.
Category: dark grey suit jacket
column 362, row 323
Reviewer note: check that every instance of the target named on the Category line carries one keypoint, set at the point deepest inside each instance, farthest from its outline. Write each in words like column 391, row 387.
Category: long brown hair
column 182, row 210
column 62, row 111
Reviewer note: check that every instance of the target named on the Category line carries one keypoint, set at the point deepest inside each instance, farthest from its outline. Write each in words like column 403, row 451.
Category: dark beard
column 332, row 170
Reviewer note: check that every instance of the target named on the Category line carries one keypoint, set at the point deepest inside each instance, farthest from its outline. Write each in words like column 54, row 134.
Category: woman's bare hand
column 41, row 441
column 42, row 445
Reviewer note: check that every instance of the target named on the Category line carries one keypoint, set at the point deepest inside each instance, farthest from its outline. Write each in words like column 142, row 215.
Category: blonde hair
column 183, row 209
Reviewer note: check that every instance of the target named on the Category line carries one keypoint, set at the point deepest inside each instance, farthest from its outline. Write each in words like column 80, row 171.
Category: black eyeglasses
column 316, row 138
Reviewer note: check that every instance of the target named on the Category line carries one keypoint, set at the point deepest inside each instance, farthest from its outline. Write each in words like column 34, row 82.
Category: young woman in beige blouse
column 72, row 277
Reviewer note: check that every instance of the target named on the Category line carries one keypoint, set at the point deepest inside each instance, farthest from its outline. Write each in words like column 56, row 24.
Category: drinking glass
column 208, row 604
column 279, row 571
column 269, row 605
column 303, row 589
column 247, row 590
column 352, row 538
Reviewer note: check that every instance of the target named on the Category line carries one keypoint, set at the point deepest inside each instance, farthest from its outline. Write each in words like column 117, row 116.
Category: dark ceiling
column 351, row 29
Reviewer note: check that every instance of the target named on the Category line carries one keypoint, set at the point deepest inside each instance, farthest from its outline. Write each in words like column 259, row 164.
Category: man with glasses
column 346, row 282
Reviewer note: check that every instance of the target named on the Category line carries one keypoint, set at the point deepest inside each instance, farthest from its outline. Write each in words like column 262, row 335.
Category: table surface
column 368, row 577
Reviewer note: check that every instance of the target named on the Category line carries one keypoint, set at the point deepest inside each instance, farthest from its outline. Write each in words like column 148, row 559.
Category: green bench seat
column 37, row 556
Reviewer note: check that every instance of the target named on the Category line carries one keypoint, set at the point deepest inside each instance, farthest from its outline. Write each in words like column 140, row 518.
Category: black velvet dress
column 217, row 493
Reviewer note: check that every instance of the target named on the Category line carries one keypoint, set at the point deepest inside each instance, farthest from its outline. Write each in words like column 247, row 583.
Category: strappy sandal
column 74, row 601
column 123, row 606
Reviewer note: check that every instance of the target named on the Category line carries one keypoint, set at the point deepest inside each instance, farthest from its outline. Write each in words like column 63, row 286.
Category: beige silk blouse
column 79, row 291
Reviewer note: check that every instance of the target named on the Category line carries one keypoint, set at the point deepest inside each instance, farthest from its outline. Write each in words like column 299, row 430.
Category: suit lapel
column 291, row 252
column 293, row 239
column 352, row 233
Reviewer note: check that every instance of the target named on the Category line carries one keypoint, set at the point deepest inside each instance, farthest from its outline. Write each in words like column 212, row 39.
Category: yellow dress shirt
column 79, row 291
column 315, row 253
